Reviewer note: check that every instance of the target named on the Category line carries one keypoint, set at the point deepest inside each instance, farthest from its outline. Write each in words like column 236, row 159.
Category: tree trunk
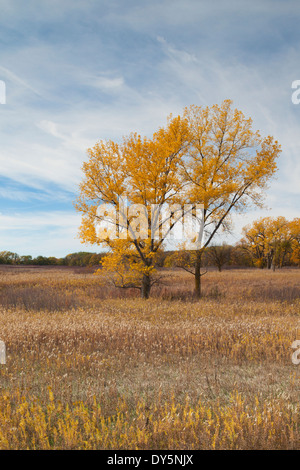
column 198, row 274
column 272, row 260
column 146, row 286
column 273, row 266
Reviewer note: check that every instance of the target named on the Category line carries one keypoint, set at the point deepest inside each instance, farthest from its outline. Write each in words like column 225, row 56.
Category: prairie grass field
column 93, row 367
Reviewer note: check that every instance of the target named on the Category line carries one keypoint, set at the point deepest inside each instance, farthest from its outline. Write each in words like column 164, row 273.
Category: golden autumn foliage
column 125, row 268
column 271, row 240
column 140, row 172
column 227, row 164
column 295, row 236
column 28, row 425
column 209, row 156
column 227, row 167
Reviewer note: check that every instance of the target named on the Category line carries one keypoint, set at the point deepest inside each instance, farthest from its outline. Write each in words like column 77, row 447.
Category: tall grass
column 89, row 366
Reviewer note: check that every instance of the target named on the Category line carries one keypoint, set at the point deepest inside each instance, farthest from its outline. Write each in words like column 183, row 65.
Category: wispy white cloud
column 107, row 83
column 51, row 234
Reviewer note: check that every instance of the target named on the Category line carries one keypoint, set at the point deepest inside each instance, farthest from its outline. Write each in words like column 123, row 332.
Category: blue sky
column 80, row 71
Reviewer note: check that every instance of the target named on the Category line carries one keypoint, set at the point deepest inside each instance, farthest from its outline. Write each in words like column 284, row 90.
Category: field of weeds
column 92, row 367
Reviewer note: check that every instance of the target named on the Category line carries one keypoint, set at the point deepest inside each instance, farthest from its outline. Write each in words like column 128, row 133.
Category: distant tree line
column 80, row 258
column 237, row 256
column 218, row 256
column 269, row 242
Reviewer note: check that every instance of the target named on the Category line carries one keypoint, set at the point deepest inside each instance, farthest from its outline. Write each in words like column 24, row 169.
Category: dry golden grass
column 92, row 367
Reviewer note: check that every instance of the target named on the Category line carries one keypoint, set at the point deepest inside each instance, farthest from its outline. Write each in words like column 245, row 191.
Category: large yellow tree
column 132, row 178
column 226, row 168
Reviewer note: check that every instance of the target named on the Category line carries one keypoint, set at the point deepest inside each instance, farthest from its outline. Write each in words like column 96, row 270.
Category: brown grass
column 93, row 367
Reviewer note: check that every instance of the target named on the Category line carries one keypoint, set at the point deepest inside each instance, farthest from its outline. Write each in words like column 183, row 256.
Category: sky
column 76, row 72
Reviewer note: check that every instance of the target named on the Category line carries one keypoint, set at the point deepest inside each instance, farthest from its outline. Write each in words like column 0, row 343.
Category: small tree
column 8, row 257
column 218, row 255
